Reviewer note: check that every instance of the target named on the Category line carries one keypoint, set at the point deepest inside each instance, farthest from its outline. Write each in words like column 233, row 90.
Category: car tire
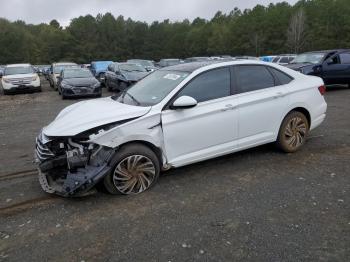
column 135, row 169
column 293, row 132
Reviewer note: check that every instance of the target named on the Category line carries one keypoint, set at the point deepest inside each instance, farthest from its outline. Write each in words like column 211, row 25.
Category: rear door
column 262, row 101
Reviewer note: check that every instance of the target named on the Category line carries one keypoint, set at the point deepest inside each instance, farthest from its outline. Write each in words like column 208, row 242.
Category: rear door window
column 253, row 77
column 283, row 78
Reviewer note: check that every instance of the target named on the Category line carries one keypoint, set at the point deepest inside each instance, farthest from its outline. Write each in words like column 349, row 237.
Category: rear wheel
column 135, row 169
column 293, row 132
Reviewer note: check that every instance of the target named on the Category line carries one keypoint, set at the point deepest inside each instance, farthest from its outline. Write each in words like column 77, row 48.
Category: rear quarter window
column 281, row 77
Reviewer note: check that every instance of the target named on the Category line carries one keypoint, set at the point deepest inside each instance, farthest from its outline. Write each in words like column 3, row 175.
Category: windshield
column 152, row 89
column 18, row 70
column 311, row 58
column 68, row 73
column 58, row 69
column 131, row 67
column 142, row 62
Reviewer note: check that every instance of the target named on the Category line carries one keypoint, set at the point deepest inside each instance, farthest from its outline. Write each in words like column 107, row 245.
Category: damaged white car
column 174, row 117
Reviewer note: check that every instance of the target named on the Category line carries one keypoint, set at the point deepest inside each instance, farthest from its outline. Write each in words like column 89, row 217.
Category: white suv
column 177, row 116
column 19, row 78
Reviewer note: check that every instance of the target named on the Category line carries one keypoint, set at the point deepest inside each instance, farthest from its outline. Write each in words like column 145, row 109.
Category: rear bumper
column 318, row 121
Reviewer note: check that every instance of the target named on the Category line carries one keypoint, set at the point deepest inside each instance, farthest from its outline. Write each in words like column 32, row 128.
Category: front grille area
column 42, row 151
column 21, row 81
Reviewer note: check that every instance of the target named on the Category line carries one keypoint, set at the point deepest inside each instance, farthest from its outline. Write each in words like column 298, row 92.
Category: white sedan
column 177, row 116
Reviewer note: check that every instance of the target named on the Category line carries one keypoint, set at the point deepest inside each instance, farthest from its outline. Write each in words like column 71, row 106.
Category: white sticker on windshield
column 172, row 76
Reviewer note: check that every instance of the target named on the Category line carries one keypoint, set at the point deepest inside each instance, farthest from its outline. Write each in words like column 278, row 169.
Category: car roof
column 193, row 66
column 76, row 69
column 170, row 59
column 189, row 67
column 18, row 65
column 64, row 63
column 101, row 62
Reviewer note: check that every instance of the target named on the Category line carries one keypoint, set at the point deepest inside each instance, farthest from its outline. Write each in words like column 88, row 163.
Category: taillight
column 322, row 90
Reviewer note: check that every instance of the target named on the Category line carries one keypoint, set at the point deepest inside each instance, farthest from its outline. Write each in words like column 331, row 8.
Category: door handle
column 228, row 107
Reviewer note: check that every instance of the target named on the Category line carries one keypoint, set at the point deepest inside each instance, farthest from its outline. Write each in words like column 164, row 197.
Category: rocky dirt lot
column 256, row 205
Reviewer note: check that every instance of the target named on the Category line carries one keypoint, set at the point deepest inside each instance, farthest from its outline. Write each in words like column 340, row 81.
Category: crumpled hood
column 86, row 115
column 134, row 76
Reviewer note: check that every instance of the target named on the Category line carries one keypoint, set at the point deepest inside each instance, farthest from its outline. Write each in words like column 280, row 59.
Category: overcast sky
column 37, row 11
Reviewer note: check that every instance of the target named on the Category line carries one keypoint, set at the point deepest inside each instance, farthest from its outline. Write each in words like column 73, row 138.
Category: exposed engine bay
column 70, row 165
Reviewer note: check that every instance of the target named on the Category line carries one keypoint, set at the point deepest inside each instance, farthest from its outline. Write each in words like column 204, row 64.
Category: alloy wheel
column 134, row 174
column 295, row 132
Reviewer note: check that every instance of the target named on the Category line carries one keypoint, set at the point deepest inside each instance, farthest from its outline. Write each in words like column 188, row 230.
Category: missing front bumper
column 64, row 182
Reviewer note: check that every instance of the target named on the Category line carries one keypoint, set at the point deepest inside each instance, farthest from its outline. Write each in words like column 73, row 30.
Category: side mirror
column 184, row 102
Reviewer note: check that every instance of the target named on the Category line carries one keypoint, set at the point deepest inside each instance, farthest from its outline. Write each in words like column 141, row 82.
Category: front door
column 207, row 130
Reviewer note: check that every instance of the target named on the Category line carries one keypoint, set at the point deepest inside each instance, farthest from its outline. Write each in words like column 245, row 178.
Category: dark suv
column 331, row 65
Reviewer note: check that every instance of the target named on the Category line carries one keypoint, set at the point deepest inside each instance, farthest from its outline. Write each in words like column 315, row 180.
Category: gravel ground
column 256, row 205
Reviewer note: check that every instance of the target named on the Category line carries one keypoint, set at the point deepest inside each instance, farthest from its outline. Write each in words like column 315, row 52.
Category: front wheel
column 135, row 168
column 293, row 132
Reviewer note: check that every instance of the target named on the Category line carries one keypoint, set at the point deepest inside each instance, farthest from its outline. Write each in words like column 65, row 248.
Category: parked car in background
column 247, row 58
column 197, row 59
column 147, row 64
column 284, row 59
column 120, row 76
column 267, row 58
column 169, row 62
column 46, row 73
column 55, row 71
column 74, row 82
column 174, row 117
column 333, row 66
column 20, row 78
column 99, row 68
column 1, row 71
column 42, row 68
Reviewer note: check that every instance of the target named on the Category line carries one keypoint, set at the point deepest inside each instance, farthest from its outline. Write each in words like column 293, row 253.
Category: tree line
column 275, row 29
